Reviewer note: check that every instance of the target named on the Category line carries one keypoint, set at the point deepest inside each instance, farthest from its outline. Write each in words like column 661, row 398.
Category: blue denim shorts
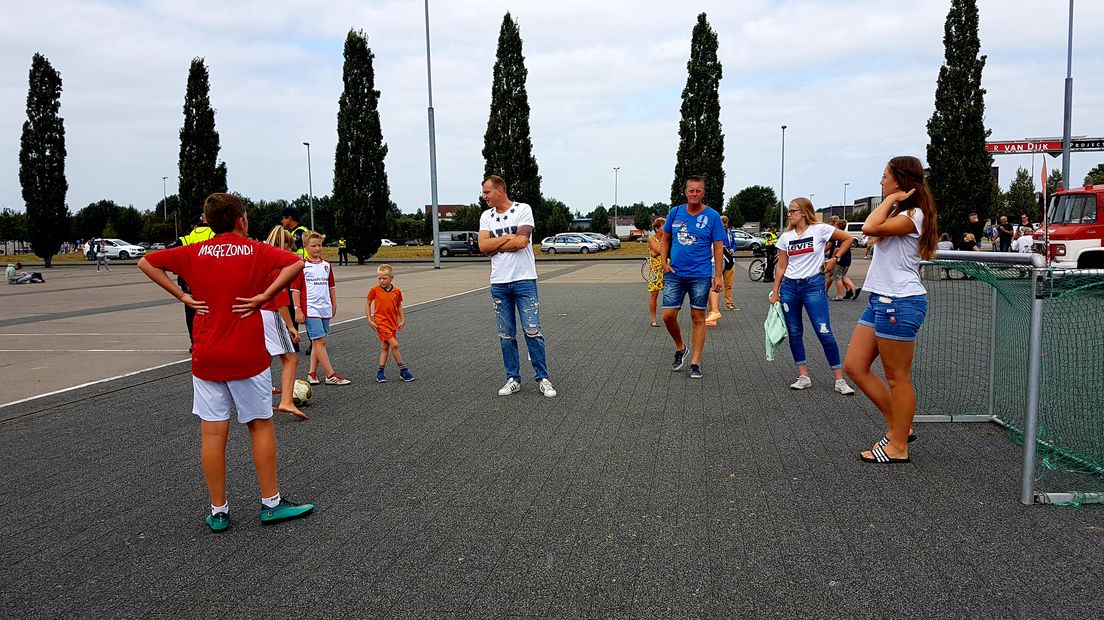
column 317, row 328
column 895, row 318
column 676, row 287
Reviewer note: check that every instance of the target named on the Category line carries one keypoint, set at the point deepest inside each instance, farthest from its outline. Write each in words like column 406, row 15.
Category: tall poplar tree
column 200, row 172
column 961, row 168
column 507, row 145
column 42, row 161
column 360, row 193
column 701, row 141
column 1021, row 197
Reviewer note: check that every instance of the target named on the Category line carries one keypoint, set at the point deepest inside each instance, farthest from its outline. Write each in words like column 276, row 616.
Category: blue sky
column 853, row 81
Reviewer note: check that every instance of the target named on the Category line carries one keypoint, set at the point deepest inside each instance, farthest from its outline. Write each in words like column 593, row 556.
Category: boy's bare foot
column 292, row 409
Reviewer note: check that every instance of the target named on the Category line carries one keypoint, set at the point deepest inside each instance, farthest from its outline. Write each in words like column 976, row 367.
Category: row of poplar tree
column 360, row 206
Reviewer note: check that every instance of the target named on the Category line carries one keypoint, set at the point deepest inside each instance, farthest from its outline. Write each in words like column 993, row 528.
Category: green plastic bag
column 775, row 329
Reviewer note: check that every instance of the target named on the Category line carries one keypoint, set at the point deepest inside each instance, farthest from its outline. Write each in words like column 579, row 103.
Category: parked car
column 566, row 243
column 458, row 242
column 157, row 246
column 413, row 242
column 855, row 230
column 387, row 243
column 747, row 241
column 607, row 242
column 117, row 249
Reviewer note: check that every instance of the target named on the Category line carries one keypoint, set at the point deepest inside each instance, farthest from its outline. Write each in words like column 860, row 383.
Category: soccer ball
column 302, row 392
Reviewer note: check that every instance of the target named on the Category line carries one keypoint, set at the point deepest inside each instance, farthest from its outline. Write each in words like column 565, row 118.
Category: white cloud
column 853, row 80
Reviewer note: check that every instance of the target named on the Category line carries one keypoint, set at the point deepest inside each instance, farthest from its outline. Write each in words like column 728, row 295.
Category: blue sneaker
column 218, row 523
column 404, row 372
column 283, row 511
column 381, row 377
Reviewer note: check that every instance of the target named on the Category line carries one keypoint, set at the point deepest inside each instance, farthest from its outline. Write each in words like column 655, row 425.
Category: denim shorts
column 676, row 287
column 895, row 318
column 317, row 328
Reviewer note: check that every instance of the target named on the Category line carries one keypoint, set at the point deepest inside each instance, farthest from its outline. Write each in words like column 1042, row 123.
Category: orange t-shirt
column 386, row 311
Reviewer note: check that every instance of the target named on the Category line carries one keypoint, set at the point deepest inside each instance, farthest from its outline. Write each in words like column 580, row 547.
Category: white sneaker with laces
column 843, row 388
column 802, row 382
column 546, row 388
column 511, row 387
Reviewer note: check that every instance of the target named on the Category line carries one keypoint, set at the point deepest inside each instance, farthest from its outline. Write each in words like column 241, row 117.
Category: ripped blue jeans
column 519, row 296
column 808, row 293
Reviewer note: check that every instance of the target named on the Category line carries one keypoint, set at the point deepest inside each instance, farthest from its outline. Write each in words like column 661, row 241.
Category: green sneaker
column 218, row 523
column 283, row 511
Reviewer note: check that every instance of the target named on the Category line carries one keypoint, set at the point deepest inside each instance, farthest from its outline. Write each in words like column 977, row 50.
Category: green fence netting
column 972, row 356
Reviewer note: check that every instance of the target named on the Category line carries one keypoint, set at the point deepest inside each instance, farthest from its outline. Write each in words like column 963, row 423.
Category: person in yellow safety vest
column 769, row 239
column 342, row 251
column 290, row 221
column 200, row 233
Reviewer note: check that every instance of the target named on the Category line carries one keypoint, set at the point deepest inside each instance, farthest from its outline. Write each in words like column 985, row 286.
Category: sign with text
column 1051, row 147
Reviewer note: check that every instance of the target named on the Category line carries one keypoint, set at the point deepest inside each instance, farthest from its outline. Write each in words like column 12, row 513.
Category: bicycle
column 758, row 268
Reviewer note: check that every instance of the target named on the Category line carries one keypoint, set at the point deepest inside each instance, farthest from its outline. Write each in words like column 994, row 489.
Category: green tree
column 127, row 222
column 559, row 217
column 92, row 221
column 754, row 201
column 507, row 145
column 42, row 162
column 701, row 141
column 1095, row 176
column 1054, row 181
column 960, row 166
column 858, row 215
column 13, row 226
column 600, row 220
column 361, row 193
column 1021, row 197
column 643, row 215
column 732, row 211
column 200, row 172
column 467, row 218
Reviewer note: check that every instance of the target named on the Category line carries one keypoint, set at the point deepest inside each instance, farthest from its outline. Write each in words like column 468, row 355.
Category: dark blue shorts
column 675, row 288
column 895, row 318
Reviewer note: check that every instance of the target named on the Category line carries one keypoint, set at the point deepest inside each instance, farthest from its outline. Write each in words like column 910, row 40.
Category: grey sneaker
column 680, row 357
column 843, row 388
column 695, row 371
column 511, row 387
column 546, row 388
column 802, row 382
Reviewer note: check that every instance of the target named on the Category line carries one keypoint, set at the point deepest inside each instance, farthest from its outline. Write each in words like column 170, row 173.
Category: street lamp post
column 615, row 169
column 310, row 186
column 782, row 186
column 1068, row 116
column 164, row 200
column 845, row 200
column 432, row 153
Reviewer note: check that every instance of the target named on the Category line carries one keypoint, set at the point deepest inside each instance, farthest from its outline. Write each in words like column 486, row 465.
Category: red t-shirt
column 226, row 347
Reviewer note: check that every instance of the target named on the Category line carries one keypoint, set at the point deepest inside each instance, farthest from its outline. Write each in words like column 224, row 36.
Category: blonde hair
column 279, row 237
column 658, row 223
column 385, row 269
column 311, row 236
column 807, row 212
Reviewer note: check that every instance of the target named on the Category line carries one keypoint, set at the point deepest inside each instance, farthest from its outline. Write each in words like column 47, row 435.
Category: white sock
column 271, row 502
column 220, row 510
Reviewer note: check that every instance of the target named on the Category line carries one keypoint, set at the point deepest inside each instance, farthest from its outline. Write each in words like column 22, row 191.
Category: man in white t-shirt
column 505, row 231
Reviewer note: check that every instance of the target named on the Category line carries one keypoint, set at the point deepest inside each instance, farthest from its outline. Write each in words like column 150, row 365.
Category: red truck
column 1075, row 224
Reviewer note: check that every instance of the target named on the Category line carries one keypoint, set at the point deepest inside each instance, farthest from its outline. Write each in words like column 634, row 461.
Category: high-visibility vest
column 198, row 235
column 301, row 230
column 341, row 244
column 770, row 238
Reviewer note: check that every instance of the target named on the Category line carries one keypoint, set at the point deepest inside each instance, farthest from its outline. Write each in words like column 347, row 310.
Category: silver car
column 569, row 242
column 607, row 242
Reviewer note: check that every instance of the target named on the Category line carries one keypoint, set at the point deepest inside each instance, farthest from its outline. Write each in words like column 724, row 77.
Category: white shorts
column 252, row 397
column 277, row 338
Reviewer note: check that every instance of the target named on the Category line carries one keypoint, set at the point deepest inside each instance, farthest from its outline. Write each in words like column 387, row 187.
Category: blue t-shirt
column 692, row 238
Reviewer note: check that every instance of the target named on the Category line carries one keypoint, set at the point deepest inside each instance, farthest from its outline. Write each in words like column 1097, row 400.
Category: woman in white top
column 907, row 226
column 799, row 283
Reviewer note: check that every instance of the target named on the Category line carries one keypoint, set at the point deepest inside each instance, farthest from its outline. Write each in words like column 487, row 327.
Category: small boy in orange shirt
column 387, row 319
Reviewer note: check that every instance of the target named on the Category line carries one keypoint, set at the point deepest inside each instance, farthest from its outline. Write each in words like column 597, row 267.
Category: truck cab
column 1075, row 226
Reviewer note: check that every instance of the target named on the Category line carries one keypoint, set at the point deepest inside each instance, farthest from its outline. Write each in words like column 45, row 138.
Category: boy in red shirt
column 387, row 319
column 230, row 278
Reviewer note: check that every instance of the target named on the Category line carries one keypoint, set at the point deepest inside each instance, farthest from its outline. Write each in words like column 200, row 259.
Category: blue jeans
column 522, row 297
column 895, row 318
column 676, row 288
column 808, row 293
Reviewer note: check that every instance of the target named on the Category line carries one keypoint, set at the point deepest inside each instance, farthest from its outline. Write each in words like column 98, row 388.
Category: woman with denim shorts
column 799, row 284
column 907, row 227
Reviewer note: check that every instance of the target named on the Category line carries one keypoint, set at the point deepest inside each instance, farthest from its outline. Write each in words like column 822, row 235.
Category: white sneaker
column 802, row 382
column 843, row 388
column 546, row 388
column 511, row 387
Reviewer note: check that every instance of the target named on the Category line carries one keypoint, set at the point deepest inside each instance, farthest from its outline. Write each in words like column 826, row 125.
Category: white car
column 605, row 241
column 117, row 249
column 387, row 243
column 570, row 242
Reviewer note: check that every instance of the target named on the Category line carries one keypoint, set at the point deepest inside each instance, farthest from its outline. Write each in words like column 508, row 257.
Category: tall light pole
column 432, row 152
column 310, row 186
column 615, row 169
column 165, row 199
column 845, row 199
column 782, row 186
column 1068, row 120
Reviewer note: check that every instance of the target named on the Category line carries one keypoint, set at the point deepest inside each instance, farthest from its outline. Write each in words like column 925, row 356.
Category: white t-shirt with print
column 1024, row 244
column 805, row 251
column 895, row 268
column 510, row 266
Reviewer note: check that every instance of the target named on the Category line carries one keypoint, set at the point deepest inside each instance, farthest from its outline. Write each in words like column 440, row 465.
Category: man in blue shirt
column 693, row 241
